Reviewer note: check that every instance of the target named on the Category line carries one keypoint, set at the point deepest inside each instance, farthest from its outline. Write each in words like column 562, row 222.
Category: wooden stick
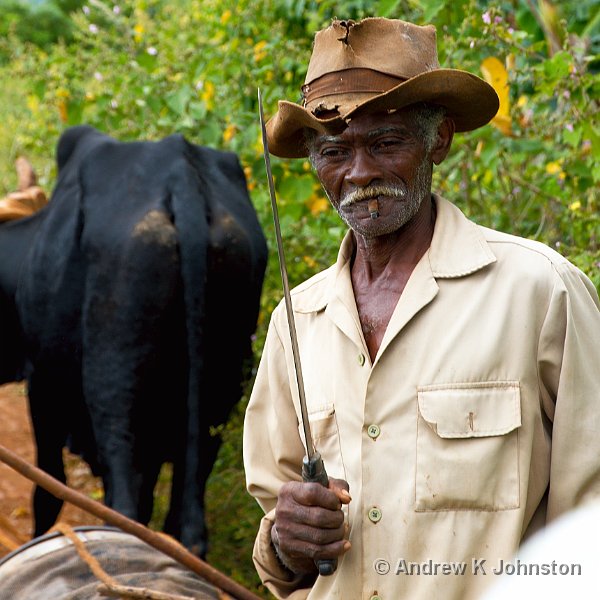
column 125, row 591
column 156, row 540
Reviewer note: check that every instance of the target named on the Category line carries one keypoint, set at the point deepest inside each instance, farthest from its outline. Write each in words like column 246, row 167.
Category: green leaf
column 590, row 133
column 385, row 8
column 210, row 133
column 559, row 65
column 572, row 136
column 74, row 112
column 197, row 109
column 177, row 101
column 296, row 188
column 431, row 8
column 146, row 61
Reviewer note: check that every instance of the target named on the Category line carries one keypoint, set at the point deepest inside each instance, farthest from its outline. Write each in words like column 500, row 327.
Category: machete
column 313, row 469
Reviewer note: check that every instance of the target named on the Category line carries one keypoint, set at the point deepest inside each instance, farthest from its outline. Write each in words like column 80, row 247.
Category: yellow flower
column 249, row 177
column 311, row 262
column 208, row 94
column 225, row 17
column 259, row 50
column 553, row 167
column 138, row 32
column 33, row 104
column 317, row 205
column 229, row 133
column 63, row 111
column 495, row 73
column 575, row 206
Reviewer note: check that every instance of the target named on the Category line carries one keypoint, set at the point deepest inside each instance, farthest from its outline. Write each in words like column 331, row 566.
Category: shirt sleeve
column 273, row 453
column 569, row 369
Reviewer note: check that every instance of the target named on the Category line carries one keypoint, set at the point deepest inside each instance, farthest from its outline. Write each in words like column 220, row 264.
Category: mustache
column 372, row 191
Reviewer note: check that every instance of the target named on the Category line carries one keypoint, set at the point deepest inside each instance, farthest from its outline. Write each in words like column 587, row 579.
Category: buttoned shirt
column 476, row 423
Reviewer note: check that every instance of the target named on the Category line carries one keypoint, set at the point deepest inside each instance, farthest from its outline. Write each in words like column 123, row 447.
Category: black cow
column 137, row 300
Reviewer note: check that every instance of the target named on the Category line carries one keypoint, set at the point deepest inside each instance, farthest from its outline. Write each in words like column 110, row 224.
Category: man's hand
column 309, row 524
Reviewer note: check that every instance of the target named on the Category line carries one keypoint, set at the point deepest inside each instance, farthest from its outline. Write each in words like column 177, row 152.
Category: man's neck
column 395, row 253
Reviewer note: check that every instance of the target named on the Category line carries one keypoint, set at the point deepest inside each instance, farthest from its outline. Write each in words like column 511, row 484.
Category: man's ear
column 443, row 141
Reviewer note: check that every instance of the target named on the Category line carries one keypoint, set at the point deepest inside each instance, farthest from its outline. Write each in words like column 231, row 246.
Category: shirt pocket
column 326, row 438
column 468, row 446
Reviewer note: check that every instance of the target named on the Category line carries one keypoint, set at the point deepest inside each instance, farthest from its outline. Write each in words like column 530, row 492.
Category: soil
column 15, row 491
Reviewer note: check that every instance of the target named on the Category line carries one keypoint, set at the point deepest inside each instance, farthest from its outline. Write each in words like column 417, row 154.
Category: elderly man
column 448, row 368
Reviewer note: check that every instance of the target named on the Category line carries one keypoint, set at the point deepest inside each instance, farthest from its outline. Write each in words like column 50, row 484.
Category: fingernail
column 345, row 493
column 347, row 546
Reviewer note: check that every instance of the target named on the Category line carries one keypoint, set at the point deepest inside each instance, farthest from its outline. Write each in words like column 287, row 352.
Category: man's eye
column 333, row 152
column 388, row 143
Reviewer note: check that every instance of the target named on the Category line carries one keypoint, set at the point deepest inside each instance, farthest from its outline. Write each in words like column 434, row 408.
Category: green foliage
column 152, row 67
column 41, row 23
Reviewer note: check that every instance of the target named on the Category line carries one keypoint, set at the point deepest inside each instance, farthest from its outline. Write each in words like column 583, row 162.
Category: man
column 449, row 369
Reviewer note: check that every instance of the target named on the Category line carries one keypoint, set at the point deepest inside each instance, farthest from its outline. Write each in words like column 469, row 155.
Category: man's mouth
column 373, row 195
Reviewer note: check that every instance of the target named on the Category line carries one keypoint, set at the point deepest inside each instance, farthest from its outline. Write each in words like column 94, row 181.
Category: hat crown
column 389, row 46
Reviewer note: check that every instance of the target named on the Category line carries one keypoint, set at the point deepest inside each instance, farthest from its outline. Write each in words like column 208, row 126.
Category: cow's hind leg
column 50, row 432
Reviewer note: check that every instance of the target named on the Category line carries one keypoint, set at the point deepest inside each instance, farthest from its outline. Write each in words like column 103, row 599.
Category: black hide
column 138, row 294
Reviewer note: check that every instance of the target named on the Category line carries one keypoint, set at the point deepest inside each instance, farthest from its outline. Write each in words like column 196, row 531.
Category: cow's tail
column 190, row 209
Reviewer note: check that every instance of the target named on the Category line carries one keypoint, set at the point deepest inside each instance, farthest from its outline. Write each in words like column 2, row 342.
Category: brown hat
column 375, row 65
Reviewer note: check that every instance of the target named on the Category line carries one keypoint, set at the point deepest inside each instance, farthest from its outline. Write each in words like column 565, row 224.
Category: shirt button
column 373, row 431
column 375, row 597
column 361, row 359
column 374, row 514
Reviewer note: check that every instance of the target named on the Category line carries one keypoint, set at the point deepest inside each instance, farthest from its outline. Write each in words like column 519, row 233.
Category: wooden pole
column 156, row 540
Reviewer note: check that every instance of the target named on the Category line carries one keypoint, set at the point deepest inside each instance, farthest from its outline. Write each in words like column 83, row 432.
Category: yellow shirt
column 476, row 423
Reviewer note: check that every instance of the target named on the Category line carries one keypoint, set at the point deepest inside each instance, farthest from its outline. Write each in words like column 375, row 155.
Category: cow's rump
column 50, row 567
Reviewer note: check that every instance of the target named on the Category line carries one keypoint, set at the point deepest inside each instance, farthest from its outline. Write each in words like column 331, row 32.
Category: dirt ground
column 15, row 490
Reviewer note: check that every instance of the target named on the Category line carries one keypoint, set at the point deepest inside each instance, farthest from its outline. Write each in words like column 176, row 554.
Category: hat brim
column 469, row 101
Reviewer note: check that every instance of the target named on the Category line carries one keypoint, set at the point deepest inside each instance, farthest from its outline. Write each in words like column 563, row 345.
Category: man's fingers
column 301, row 549
column 310, row 516
column 341, row 489
column 315, row 534
column 314, row 494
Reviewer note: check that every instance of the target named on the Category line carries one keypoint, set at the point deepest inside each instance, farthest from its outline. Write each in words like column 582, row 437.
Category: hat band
column 349, row 81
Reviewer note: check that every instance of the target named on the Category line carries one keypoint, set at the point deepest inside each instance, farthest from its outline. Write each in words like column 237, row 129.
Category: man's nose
column 363, row 168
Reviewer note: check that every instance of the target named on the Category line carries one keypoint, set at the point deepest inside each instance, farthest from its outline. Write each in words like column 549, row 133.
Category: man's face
column 379, row 156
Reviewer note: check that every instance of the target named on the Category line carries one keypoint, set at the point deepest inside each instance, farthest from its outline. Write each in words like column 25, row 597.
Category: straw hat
column 374, row 65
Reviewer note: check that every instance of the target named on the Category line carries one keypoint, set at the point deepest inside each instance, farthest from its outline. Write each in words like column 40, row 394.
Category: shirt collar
column 458, row 246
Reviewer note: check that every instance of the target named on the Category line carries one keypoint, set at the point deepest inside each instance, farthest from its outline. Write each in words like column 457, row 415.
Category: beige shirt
column 478, row 420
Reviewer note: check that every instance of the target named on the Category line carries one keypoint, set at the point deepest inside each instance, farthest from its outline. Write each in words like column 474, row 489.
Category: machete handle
column 313, row 471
